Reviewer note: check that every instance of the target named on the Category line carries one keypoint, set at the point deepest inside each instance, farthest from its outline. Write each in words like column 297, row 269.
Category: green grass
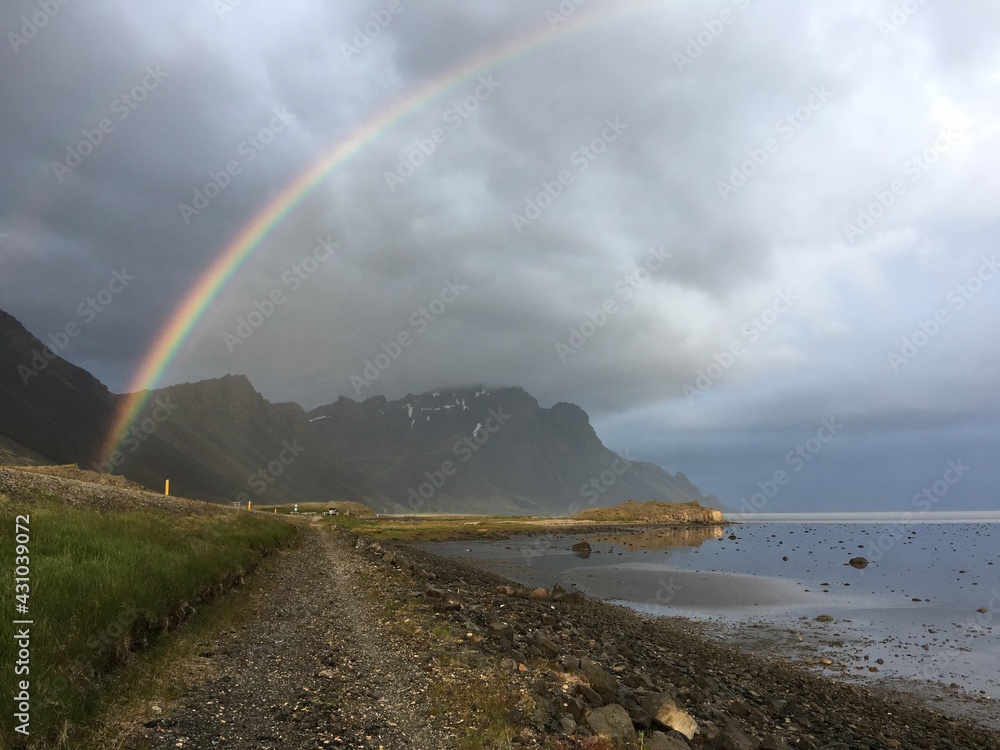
column 104, row 585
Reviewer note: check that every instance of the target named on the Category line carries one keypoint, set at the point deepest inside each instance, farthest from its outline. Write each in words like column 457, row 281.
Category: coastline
column 730, row 693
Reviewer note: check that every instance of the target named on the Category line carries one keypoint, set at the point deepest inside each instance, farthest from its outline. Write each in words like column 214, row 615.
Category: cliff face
column 489, row 451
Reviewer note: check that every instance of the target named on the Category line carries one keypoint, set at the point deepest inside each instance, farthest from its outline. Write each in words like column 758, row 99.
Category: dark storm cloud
column 507, row 225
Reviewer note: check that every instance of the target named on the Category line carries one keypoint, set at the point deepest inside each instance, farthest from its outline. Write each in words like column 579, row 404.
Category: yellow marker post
column 166, row 488
column 248, row 505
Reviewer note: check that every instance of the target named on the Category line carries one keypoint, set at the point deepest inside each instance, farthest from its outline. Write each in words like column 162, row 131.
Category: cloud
column 743, row 148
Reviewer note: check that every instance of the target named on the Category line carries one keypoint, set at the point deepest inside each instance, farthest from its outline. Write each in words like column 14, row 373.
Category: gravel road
column 315, row 667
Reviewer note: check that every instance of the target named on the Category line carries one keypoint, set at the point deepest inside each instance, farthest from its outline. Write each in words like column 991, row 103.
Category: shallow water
column 915, row 606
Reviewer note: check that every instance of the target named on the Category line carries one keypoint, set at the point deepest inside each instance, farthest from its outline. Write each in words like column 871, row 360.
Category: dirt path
column 315, row 667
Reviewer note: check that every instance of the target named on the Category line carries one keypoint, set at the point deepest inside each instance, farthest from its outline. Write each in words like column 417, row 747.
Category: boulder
column 612, row 723
column 540, row 595
column 732, row 737
column 501, row 631
column 582, row 549
column 858, row 562
column 543, row 644
column 669, row 715
column 590, row 695
column 602, row 681
column 577, row 708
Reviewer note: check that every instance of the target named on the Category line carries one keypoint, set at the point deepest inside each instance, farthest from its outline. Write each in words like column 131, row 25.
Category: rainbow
column 249, row 239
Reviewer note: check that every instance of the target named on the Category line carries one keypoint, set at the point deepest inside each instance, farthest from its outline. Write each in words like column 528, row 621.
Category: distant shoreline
column 907, row 518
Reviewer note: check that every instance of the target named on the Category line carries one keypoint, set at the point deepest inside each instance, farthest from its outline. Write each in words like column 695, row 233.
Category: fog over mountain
column 753, row 241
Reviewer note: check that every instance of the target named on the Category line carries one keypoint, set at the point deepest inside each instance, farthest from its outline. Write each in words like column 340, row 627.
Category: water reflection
column 654, row 539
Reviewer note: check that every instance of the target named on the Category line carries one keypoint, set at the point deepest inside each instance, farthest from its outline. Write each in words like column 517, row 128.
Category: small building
column 332, row 512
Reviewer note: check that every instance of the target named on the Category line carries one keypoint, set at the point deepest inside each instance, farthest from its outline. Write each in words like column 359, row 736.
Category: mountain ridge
column 472, row 449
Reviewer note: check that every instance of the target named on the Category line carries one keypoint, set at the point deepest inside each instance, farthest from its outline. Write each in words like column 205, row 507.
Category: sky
column 756, row 241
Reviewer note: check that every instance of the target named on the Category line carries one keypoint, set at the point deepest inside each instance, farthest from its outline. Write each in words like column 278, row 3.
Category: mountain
column 216, row 440
column 489, row 451
column 467, row 450
column 47, row 404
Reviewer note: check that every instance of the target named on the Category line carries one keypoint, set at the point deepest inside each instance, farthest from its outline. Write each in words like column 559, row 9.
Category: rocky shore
column 595, row 670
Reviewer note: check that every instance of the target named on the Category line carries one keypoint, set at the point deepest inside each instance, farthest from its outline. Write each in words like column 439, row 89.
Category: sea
column 920, row 603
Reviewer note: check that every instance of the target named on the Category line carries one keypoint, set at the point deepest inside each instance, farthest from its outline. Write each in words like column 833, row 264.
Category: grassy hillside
column 653, row 511
column 111, row 571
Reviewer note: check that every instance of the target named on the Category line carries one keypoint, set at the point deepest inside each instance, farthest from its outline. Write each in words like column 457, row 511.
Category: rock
column 639, row 717
column 663, row 741
column 582, row 549
column 543, row 644
column 600, row 679
column 858, row 562
column 590, row 695
column 642, row 680
column 501, row 631
column 573, row 597
column 388, row 557
column 612, row 723
column 668, row 714
column 733, row 738
column 558, row 592
column 327, row 673
column 549, row 620
column 824, row 618
column 577, row 708
column 770, row 742
column 540, row 595
column 433, row 592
